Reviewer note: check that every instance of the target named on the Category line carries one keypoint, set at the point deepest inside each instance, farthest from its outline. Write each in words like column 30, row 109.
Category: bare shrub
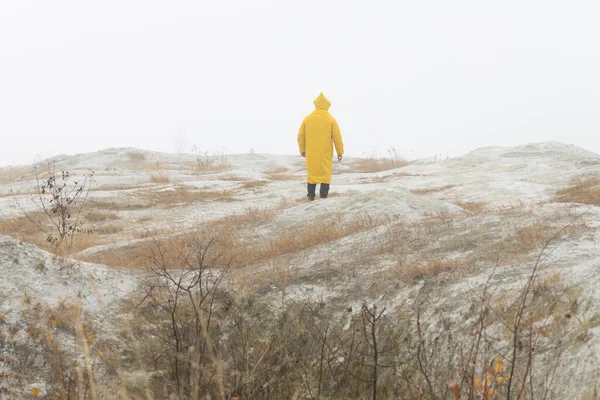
column 69, row 369
column 181, row 306
column 61, row 198
column 207, row 161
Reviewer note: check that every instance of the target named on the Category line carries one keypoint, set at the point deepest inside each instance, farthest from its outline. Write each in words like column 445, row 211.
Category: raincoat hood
column 321, row 102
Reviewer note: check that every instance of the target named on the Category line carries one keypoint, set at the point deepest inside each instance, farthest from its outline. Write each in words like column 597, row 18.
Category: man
column 316, row 137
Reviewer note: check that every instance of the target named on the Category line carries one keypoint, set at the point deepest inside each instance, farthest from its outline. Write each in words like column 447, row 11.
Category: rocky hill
column 196, row 275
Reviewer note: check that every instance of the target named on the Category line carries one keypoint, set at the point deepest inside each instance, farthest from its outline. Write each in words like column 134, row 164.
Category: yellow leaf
column 498, row 365
column 53, row 324
column 499, row 379
column 488, row 380
column 35, row 392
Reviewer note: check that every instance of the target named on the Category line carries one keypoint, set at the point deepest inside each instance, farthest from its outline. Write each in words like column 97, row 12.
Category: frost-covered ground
column 428, row 214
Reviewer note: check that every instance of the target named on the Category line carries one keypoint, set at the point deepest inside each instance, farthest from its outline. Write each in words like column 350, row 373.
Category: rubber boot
column 312, row 187
column 324, row 190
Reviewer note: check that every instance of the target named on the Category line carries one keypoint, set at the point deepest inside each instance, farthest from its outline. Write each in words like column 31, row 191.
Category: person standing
column 318, row 134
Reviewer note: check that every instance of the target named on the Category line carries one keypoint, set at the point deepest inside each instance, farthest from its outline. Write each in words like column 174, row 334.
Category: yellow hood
column 321, row 102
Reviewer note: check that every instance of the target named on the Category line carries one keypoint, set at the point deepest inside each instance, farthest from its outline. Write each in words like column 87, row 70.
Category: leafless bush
column 61, row 197
column 211, row 161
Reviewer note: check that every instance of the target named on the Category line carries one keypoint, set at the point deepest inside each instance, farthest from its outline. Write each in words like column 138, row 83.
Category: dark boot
column 312, row 187
column 324, row 190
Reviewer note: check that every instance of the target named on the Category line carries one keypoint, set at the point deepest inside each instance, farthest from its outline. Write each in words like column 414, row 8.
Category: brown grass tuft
column 473, row 207
column 109, row 229
column 377, row 164
column 101, row 217
column 282, row 176
column 233, row 246
column 254, row 185
column 160, row 178
column 432, row 190
column 12, row 174
column 22, row 228
column 582, row 191
column 370, row 165
column 122, row 205
column 384, row 178
column 435, row 267
column 183, row 195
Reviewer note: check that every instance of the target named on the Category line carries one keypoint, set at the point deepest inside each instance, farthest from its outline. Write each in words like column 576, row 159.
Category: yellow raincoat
column 316, row 137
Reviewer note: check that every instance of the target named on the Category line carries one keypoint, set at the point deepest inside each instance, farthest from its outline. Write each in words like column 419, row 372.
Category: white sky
column 426, row 77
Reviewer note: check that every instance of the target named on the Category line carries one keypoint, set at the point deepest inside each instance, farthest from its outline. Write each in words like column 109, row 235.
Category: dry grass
column 207, row 162
column 250, row 217
column 282, row 176
column 132, row 257
column 176, row 195
column 473, row 207
column 226, row 232
column 22, row 228
column 116, row 188
column 160, row 178
column 254, row 185
column 131, row 203
column 101, row 217
column 384, row 178
column 183, row 195
column 425, row 191
column 435, row 267
column 370, row 165
column 530, row 239
column 317, row 233
column 378, row 164
column 30, row 230
column 109, row 229
column 582, row 191
column 13, row 174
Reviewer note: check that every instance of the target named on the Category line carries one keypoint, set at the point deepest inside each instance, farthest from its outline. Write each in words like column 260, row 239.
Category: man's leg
column 312, row 187
column 324, row 190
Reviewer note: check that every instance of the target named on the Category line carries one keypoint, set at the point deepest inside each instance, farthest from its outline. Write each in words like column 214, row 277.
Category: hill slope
column 446, row 247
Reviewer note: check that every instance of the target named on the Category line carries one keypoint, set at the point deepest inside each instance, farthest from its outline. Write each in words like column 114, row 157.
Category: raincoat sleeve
column 302, row 138
column 336, row 136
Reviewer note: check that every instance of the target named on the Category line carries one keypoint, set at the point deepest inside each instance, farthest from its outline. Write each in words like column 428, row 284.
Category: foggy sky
column 426, row 77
